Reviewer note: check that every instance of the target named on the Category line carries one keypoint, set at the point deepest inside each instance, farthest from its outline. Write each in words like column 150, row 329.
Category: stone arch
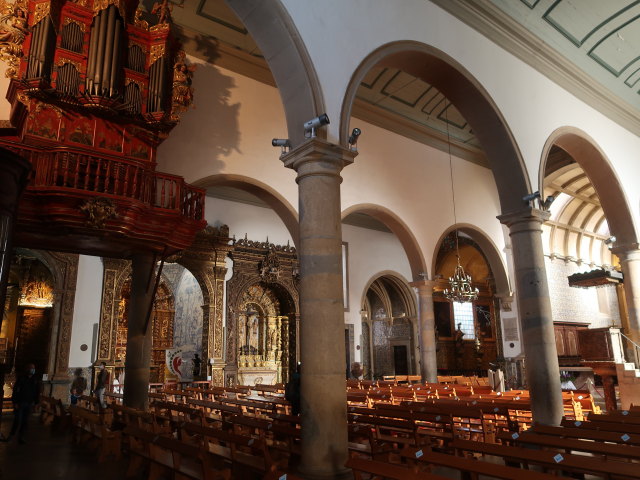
column 381, row 285
column 489, row 249
column 588, row 154
column 399, row 229
column 469, row 97
column 399, row 281
column 288, row 60
column 264, row 192
column 64, row 272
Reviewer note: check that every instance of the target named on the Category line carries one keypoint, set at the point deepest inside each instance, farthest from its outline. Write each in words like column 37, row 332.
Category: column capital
column 525, row 219
column 318, row 157
column 627, row 252
column 424, row 286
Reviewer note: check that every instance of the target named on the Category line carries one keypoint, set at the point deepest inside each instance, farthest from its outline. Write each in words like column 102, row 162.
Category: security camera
column 281, row 142
column 547, row 203
column 319, row 121
column 610, row 240
column 531, row 197
column 353, row 138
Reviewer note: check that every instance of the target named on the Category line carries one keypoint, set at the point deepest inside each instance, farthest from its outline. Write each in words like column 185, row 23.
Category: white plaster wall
column 370, row 252
column 257, row 222
column 86, row 311
column 405, row 177
column 532, row 105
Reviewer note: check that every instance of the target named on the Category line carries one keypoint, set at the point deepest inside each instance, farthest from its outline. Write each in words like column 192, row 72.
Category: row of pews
column 204, row 433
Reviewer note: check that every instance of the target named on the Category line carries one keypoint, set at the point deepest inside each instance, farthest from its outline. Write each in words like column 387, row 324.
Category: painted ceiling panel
column 619, row 49
column 578, row 19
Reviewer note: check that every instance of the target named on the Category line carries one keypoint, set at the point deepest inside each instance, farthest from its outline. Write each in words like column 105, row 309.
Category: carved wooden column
column 534, row 306
column 323, row 397
column 427, row 328
column 115, row 272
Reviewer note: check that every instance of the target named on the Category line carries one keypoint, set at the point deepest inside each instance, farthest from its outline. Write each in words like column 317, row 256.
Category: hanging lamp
column 460, row 284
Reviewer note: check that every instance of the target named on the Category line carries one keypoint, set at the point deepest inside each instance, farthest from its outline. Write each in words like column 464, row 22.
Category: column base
column 342, row 474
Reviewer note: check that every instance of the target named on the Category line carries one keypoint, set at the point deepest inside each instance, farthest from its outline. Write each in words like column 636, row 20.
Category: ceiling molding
column 493, row 23
column 226, row 56
column 409, row 128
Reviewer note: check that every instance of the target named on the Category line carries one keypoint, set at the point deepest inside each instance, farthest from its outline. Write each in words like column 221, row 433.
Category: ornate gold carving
column 182, row 92
column 42, row 10
column 41, row 106
column 13, row 29
column 99, row 5
column 81, row 25
column 270, row 267
column 82, row 3
column 157, row 51
column 63, row 61
column 133, row 80
column 138, row 21
column 163, row 11
column 98, row 211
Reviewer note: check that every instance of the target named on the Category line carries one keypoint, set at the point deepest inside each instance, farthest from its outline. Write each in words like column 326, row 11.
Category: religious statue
column 162, row 11
column 13, row 30
column 459, row 334
column 197, row 362
column 182, row 92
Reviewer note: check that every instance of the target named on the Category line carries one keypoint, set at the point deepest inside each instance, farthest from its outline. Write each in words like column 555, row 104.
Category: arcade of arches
column 176, row 243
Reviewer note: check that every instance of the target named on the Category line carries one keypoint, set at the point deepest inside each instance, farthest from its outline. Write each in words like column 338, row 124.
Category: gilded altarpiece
column 112, row 337
column 205, row 259
column 64, row 272
column 162, row 329
column 262, row 313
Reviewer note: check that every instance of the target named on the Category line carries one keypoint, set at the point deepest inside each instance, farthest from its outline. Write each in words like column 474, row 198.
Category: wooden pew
column 95, row 427
column 374, row 468
column 550, row 460
column 244, row 453
column 606, row 450
column 588, row 434
column 473, row 468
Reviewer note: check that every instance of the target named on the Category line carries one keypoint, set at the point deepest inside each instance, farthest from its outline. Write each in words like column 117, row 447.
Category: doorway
column 400, row 360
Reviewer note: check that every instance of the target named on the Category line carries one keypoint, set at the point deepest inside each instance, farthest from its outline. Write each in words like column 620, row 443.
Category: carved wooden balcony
column 102, row 205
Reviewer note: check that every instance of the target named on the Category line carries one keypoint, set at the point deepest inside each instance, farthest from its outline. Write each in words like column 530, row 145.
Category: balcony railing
column 77, row 171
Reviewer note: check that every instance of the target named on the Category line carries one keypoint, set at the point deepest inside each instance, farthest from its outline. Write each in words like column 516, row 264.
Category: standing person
column 78, row 386
column 292, row 390
column 26, row 394
column 101, row 384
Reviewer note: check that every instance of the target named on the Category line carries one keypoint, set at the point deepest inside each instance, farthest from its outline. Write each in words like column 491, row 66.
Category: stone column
column 629, row 256
column 534, row 306
column 427, row 330
column 138, row 359
column 323, row 396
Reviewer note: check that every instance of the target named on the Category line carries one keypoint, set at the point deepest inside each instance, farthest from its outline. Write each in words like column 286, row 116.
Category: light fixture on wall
column 460, row 284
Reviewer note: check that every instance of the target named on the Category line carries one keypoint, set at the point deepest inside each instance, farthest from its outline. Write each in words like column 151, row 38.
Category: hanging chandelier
column 460, row 284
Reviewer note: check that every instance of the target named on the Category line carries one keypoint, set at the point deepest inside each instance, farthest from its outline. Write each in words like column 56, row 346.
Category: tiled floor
column 51, row 456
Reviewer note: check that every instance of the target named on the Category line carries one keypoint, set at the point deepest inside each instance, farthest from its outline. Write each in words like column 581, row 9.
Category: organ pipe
column 42, row 50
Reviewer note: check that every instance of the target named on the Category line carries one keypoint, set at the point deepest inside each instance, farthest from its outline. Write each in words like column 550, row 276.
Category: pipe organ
column 96, row 86
column 99, row 60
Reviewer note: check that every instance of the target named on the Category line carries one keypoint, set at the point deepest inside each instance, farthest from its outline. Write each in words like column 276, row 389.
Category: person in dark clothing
column 78, row 386
column 292, row 391
column 101, row 384
column 26, row 395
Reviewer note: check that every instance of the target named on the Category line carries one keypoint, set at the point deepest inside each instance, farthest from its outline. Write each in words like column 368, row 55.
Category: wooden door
column 401, row 365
